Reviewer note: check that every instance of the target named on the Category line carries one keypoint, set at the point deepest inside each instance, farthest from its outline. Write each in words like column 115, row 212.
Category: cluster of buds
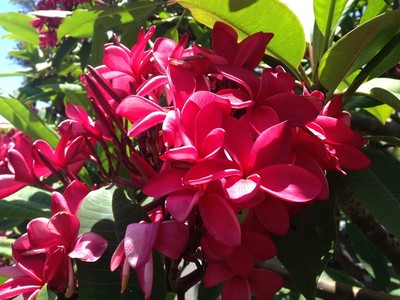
column 227, row 155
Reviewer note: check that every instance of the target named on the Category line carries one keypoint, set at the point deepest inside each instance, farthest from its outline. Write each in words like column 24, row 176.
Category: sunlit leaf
column 327, row 14
column 288, row 43
column 46, row 294
column 82, row 22
column 377, row 188
column 374, row 8
column 5, row 247
column 381, row 112
column 357, row 48
column 18, row 25
column 27, row 203
column 385, row 90
column 27, row 120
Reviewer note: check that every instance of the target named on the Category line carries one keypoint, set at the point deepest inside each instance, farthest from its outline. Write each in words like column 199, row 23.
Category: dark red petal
column 264, row 283
column 217, row 272
column 236, row 288
column 260, row 246
column 172, row 239
column 273, row 146
column 220, row 220
column 290, row 182
column 273, row 215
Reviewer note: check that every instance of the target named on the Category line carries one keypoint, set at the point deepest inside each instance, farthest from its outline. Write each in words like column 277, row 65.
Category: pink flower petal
column 145, row 277
column 251, row 50
column 260, row 246
column 217, row 272
column 74, row 195
column 184, row 153
column 273, row 146
column 118, row 257
column 273, row 215
column 164, row 183
column 264, row 283
column 22, row 171
column 212, row 143
column 180, row 204
column 289, row 182
column 89, row 246
column 220, row 219
column 236, row 288
column 284, row 103
column 139, row 242
column 241, row 261
column 17, row 286
column 172, row 239
column 134, row 108
column 40, row 236
column 351, row 157
column 238, row 148
column 147, row 122
column 66, row 226
column 58, row 203
column 241, row 190
column 210, row 170
column 117, row 59
column 8, row 185
column 261, row 118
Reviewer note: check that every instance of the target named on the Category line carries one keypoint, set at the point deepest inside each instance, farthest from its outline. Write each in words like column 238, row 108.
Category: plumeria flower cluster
column 43, row 255
column 227, row 156
column 47, row 27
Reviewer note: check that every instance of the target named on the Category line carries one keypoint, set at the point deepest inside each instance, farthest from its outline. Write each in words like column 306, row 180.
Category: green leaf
column 357, row 48
column 385, row 90
column 82, row 22
column 306, row 249
column 339, row 276
column 18, row 25
column 288, row 43
column 373, row 261
column 381, row 112
column 107, row 211
column 327, row 14
column 46, row 294
column 99, row 39
column 374, row 8
column 65, row 49
column 26, row 204
column 5, row 247
column 377, row 188
column 27, row 120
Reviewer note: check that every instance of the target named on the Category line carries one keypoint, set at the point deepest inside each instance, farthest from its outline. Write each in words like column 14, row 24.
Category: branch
column 370, row 227
column 329, row 289
column 371, row 125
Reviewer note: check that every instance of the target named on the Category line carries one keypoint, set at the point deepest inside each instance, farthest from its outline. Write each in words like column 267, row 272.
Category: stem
column 370, row 227
column 329, row 289
column 305, row 78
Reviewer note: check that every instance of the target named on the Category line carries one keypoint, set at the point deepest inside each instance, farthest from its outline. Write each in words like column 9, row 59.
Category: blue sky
column 7, row 84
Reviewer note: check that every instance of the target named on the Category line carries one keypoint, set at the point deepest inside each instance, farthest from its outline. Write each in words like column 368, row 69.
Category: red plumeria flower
column 170, row 238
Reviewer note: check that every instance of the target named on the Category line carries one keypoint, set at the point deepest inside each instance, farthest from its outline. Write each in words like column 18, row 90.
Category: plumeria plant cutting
column 160, row 146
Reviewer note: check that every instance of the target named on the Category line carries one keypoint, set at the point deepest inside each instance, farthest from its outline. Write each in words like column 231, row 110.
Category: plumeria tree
column 218, row 146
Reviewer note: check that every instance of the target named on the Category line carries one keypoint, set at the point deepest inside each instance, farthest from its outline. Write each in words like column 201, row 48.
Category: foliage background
column 352, row 240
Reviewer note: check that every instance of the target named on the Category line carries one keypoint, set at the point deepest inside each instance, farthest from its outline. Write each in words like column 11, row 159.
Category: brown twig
column 329, row 289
